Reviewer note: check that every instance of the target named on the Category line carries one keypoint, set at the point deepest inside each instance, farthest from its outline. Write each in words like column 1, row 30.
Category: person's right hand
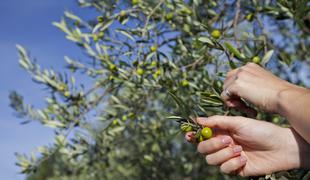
column 254, row 84
column 250, row 147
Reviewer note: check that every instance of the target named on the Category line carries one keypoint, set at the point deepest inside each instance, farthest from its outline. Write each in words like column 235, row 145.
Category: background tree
column 137, row 53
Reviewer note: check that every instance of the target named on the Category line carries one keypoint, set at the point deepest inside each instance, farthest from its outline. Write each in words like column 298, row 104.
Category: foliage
column 137, row 52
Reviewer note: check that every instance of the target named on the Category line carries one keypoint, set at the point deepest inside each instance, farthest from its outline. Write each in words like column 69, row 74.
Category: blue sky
column 27, row 23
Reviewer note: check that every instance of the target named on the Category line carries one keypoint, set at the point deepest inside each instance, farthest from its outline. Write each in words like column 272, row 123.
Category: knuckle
column 230, row 73
column 241, row 74
column 238, row 82
column 227, row 153
column 251, row 64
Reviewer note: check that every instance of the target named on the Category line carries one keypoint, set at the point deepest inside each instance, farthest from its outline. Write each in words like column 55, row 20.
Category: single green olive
column 169, row 16
column 200, row 138
column 95, row 38
column 153, row 63
column 186, row 127
column 158, row 72
column 206, row 133
column 185, row 83
column 135, row 2
column 77, row 23
column 101, row 34
column 115, row 122
column 250, row 17
column 256, row 59
column 154, row 48
column 112, row 67
column 124, row 117
column 216, row 34
column 67, row 94
column 140, row 71
column 100, row 19
column 122, row 13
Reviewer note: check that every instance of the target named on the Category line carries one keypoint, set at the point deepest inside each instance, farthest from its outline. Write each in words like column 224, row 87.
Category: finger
column 190, row 137
column 232, row 73
column 241, row 106
column 223, row 122
column 229, row 99
column 214, row 144
column 223, row 155
column 233, row 164
column 236, row 86
column 254, row 68
column 231, row 78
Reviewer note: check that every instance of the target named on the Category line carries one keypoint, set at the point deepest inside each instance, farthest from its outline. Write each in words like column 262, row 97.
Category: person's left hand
column 250, row 147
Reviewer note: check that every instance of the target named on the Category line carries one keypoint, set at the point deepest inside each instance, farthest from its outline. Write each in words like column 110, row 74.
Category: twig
column 236, row 19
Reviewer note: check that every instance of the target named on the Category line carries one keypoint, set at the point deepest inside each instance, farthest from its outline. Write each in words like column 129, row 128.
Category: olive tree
column 149, row 63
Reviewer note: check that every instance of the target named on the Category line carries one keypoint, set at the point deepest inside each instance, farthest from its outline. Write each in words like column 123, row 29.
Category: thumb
column 221, row 122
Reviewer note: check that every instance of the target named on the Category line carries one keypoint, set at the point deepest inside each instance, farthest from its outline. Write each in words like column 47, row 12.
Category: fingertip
column 190, row 137
column 243, row 160
column 235, row 102
column 224, row 96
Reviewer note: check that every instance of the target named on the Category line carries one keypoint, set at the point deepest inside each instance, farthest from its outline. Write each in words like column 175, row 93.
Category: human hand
column 254, row 84
column 250, row 147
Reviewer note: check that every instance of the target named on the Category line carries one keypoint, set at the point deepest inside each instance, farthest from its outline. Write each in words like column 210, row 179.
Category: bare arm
column 294, row 104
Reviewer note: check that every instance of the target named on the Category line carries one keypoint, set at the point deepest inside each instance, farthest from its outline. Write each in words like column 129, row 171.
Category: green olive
column 77, row 23
column 124, row 117
column 153, row 63
column 256, row 59
column 250, row 17
column 100, row 19
column 62, row 87
column 140, row 71
column 186, row 11
column 158, row 72
column 206, row 133
column 169, row 16
column 185, row 83
column 135, row 2
column 122, row 13
column 154, row 48
column 216, row 34
column 112, row 67
column 200, row 138
column 95, row 38
column 101, row 34
column 131, row 115
column 115, row 122
column 67, row 94
column 186, row 127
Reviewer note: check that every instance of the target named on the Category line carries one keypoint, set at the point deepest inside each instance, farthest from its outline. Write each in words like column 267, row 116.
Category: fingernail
column 237, row 149
column 226, row 140
column 243, row 159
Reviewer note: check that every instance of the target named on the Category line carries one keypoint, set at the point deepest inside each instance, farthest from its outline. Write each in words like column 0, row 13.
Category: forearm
column 294, row 104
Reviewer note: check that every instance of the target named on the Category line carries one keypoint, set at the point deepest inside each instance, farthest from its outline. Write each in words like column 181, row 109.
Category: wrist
column 297, row 150
column 285, row 98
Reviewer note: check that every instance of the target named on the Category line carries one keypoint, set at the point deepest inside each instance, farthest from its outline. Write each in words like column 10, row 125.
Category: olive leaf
column 234, row 51
column 267, row 57
column 187, row 114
